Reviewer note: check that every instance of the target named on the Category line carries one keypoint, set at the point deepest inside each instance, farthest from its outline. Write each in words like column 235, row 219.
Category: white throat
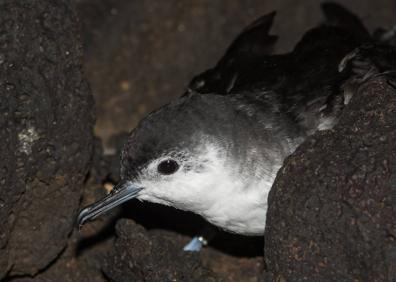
column 216, row 188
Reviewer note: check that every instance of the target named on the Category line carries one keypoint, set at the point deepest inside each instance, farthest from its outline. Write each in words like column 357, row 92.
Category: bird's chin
column 149, row 198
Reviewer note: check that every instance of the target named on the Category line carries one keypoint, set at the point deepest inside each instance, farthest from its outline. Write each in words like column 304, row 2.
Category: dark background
column 141, row 54
column 134, row 56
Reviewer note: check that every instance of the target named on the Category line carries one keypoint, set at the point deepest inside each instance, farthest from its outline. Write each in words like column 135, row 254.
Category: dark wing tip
column 338, row 15
column 264, row 23
column 253, row 39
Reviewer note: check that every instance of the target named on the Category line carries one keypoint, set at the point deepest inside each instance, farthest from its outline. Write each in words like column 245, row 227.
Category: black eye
column 168, row 167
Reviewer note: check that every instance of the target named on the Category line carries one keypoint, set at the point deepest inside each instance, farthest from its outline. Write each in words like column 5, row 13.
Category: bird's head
column 193, row 154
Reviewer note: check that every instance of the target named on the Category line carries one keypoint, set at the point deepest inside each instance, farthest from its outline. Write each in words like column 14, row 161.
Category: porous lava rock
column 140, row 255
column 332, row 208
column 46, row 134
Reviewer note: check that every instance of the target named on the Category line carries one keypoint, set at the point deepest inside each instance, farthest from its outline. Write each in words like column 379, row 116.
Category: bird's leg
column 201, row 239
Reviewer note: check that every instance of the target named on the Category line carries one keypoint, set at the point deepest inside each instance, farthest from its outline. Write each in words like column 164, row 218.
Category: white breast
column 242, row 204
column 217, row 189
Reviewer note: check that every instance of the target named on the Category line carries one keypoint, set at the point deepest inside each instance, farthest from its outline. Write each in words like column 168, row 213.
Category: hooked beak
column 122, row 192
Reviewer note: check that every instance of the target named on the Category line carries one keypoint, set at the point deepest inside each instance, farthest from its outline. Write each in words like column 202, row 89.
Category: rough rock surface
column 157, row 259
column 46, row 131
column 332, row 208
column 81, row 260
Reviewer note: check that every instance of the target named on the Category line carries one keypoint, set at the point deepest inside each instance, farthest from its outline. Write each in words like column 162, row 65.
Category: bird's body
column 217, row 149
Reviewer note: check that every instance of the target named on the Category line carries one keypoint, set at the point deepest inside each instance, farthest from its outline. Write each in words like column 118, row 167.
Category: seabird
column 216, row 150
